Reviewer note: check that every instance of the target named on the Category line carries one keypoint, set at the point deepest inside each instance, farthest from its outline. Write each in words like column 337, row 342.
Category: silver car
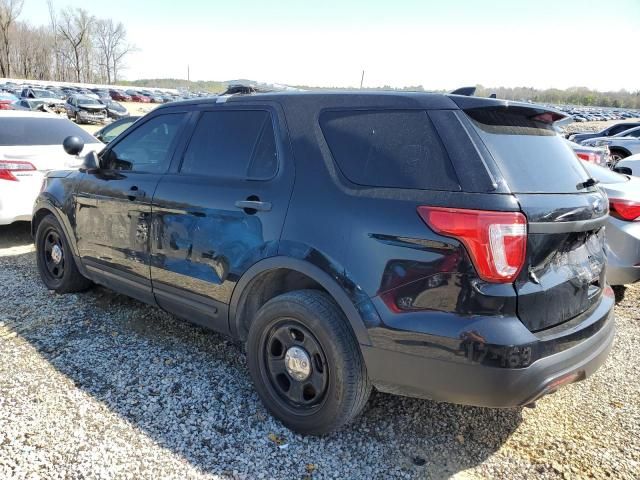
column 621, row 145
column 623, row 226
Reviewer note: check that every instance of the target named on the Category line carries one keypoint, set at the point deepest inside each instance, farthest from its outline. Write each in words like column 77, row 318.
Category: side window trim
column 179, row 154
column 174, row 144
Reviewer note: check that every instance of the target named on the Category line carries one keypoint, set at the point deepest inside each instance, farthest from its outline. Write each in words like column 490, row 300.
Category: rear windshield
column 39, row 131
column 388, row 148
column 529, row 153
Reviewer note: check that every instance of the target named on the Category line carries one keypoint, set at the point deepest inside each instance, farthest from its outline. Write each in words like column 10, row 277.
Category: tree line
column 74, row 47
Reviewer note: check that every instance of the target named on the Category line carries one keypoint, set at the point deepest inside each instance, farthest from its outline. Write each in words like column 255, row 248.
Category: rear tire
column 616, row 156
column 56, row 264
column 336, row 388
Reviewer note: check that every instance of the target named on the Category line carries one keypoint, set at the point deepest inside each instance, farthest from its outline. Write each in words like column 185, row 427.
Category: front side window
column 232, row 144
column 148, row 148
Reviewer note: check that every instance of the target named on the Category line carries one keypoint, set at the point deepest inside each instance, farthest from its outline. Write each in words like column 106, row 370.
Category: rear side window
column 388, row 148
column 19, row 131
column 529, row 154
column 620, row 128
column 232, row 144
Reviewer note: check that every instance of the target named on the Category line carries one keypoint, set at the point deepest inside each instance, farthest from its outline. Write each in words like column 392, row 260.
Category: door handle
column 135, row 193
column 253, row 206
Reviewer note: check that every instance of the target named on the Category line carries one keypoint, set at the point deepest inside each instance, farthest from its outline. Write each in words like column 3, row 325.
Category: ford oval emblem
column 598, row 205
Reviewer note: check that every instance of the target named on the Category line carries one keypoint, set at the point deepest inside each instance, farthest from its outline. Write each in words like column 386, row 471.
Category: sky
column 437, row 44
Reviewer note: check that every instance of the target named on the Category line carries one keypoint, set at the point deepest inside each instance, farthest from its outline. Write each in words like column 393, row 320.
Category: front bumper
column 580, row 349
column 92, row 117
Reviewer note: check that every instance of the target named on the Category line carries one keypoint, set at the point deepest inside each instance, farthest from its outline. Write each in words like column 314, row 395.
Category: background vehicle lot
column 98, row 385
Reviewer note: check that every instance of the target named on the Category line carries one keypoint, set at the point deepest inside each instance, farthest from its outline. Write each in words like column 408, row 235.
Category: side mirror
column 623, row 170
column 73, row 145
column 91, row 161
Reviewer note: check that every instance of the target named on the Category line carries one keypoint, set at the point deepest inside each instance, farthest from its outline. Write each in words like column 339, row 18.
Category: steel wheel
column 53, row 254
column 295, row 364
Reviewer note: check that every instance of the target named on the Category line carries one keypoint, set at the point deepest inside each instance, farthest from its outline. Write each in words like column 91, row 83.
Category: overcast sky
column 444, row 44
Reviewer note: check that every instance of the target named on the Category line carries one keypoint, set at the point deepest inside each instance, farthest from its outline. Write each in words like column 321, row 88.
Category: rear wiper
column 589, row 182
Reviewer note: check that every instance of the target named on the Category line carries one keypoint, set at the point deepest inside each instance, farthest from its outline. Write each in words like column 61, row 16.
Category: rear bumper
column 17, row 197
column 472, row 383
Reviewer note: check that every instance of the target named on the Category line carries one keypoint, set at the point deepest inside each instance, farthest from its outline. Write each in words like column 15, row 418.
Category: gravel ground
column 96, row 385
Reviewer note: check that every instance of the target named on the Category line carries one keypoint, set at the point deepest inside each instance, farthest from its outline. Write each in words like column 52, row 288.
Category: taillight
column 624, row 209
column 590, row 157
column 496, row 241
column 7, row 167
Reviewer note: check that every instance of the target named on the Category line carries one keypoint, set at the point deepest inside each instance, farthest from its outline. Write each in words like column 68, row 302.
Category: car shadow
column 189, row 390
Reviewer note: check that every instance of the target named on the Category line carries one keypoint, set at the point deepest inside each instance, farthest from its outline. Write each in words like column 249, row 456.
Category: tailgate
column 564, row 273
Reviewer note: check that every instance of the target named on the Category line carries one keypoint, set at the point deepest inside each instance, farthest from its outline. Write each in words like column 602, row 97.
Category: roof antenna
column 466, row 91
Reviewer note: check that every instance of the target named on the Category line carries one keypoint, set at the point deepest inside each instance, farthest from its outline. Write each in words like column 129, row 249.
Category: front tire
column 306, row 363
column 56, row 264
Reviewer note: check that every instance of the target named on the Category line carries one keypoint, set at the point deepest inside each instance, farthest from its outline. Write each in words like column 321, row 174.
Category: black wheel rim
column 303, row 395
column 53, row 254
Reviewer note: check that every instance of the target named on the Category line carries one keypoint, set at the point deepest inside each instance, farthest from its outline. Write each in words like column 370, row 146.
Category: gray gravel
column 96, row 385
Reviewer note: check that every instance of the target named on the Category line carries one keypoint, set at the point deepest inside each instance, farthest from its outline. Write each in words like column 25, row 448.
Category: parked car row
column 621, row 139
column 597, row 114
column 122, row 95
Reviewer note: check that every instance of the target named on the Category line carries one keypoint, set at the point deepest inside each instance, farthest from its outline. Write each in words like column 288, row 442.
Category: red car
column 7, row 101
column 138, row 97
column 119, row 96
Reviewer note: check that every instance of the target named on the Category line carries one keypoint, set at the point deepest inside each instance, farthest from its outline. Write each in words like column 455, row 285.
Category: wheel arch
column 271, row 277
column 626, row 152
column 44, row 207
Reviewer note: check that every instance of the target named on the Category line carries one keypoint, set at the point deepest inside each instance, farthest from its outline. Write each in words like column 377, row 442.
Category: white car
column 30, row 146
column 632, row 162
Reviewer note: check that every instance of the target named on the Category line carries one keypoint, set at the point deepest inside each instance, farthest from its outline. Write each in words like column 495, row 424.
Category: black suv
column 442, row 246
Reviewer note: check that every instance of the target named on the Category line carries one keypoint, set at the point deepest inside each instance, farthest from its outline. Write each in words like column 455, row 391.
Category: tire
column 63, row 275
column 616, row 156
column 78, row 121
column 337, row 387
column 619, row 292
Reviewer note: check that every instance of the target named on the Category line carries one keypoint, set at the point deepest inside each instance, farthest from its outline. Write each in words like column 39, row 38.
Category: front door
column 219, row 210
column 113, row 205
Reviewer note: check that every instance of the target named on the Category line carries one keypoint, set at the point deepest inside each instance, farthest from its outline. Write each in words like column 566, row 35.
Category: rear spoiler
column 466, row 91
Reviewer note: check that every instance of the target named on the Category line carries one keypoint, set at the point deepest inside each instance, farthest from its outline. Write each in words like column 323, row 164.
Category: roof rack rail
column 466, row 91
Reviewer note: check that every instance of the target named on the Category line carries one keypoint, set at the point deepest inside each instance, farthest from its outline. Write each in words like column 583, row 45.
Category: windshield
column 42, row 93
column 88, row 101
column 603, row 175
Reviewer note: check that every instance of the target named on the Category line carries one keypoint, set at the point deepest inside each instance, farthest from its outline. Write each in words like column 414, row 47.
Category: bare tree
column 9, row 11
column 75, row 29
column 112, row 46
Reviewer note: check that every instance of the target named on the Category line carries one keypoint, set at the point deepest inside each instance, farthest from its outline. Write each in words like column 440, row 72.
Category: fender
column 48, row 202
column 357, row 313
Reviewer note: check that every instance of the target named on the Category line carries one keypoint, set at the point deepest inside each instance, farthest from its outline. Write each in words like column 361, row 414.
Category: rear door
column 564, row 273
column 219, row 210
